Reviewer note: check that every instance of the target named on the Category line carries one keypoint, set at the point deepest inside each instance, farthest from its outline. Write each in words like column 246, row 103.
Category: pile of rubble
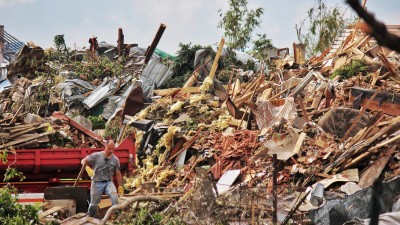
column 331, row 123
column 296, row 142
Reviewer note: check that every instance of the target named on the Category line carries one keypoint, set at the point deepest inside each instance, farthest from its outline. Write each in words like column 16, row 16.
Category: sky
column 188, row 21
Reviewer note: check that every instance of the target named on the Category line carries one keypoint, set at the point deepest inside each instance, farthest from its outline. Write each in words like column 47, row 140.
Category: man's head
column 110, row 147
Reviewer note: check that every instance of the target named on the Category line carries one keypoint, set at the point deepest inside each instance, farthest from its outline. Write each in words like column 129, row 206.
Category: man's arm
column 118, row 177
column 84, row 162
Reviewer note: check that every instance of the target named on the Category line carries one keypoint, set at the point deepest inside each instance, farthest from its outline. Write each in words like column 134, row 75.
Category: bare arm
column 84, row 162
column 118, row 176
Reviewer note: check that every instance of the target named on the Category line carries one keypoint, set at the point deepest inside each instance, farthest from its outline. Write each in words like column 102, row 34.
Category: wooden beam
column 216, row 59
column 154, row 44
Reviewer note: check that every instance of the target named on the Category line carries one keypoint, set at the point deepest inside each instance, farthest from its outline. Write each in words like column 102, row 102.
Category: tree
column 324, row 25
column 239, row 23
column 59, row 42
column 261, row 45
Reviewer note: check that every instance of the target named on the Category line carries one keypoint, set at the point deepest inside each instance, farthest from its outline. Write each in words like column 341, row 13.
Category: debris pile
column 331, row 122
column 266, row 145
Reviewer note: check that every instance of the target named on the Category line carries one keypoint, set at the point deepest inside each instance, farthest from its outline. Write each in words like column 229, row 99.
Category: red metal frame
column 47, row 166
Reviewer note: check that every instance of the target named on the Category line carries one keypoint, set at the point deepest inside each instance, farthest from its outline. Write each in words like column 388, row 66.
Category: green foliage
column 112, row 128
column 144, row 217
column 351, row 69
column 97, row 122
column 97, row 69
column 13, row 213
column 324, row 24
column 175, row 221
column 261, row 45
column 11, row 173
column 183, row 65
column 230, row 60
column 59, row 42
column 239, row 23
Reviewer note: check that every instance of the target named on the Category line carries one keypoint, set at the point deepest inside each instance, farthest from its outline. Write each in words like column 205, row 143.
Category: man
column 101, row 166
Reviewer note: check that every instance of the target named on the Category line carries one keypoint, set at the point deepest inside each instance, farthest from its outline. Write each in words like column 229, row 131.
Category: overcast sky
column 188, row 21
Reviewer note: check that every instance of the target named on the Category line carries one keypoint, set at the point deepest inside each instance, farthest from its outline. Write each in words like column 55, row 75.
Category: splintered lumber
column 216, row 59
column 81, row 128
column 188, row 144
column 48, row 212
column 15, row 115
column 14, row 135
column 18, row 128
column 357, row 148
column 175, row 91
column 303, row 109
column 12, row 143
column 387, row 102
column 375, row 170
column 359, row 116
column 248, row 96
column 386, row 143
column 194, row 75
column 388, row 65
column 379, row 30
column 317, row 99
column 299, row 142
column 80, row 219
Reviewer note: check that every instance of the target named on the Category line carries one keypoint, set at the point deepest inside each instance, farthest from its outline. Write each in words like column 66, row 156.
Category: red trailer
column 59, row 167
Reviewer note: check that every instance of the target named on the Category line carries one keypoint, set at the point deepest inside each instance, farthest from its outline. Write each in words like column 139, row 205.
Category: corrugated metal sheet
column 11, row 45
column 154, row 75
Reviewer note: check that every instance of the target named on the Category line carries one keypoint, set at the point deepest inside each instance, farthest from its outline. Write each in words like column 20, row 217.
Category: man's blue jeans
column 97, row 189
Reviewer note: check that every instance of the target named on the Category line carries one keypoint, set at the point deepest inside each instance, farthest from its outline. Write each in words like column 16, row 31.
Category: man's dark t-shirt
column 103, row 167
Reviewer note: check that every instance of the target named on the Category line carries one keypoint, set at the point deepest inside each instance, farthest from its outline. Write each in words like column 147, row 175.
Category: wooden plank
column 375, row 170
column 166, row 92
column 299, row 142
column 194, row 75
column 346, row 135
column 27, row 131
column 12, row 143
column 303, row 109
column 16, row 128
column 266, row 94
column 50, row 211
column 216, row 59
column 317, row 99
column 388, row 65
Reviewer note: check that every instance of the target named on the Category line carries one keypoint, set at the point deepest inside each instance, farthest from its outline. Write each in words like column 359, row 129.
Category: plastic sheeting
column 268, row 115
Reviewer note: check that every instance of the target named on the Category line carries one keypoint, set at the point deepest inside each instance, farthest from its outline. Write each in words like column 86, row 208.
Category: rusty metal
column 120, row 42
column 152, row 47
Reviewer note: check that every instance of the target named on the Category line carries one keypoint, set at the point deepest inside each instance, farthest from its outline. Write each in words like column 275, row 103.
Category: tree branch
column 140, row 198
